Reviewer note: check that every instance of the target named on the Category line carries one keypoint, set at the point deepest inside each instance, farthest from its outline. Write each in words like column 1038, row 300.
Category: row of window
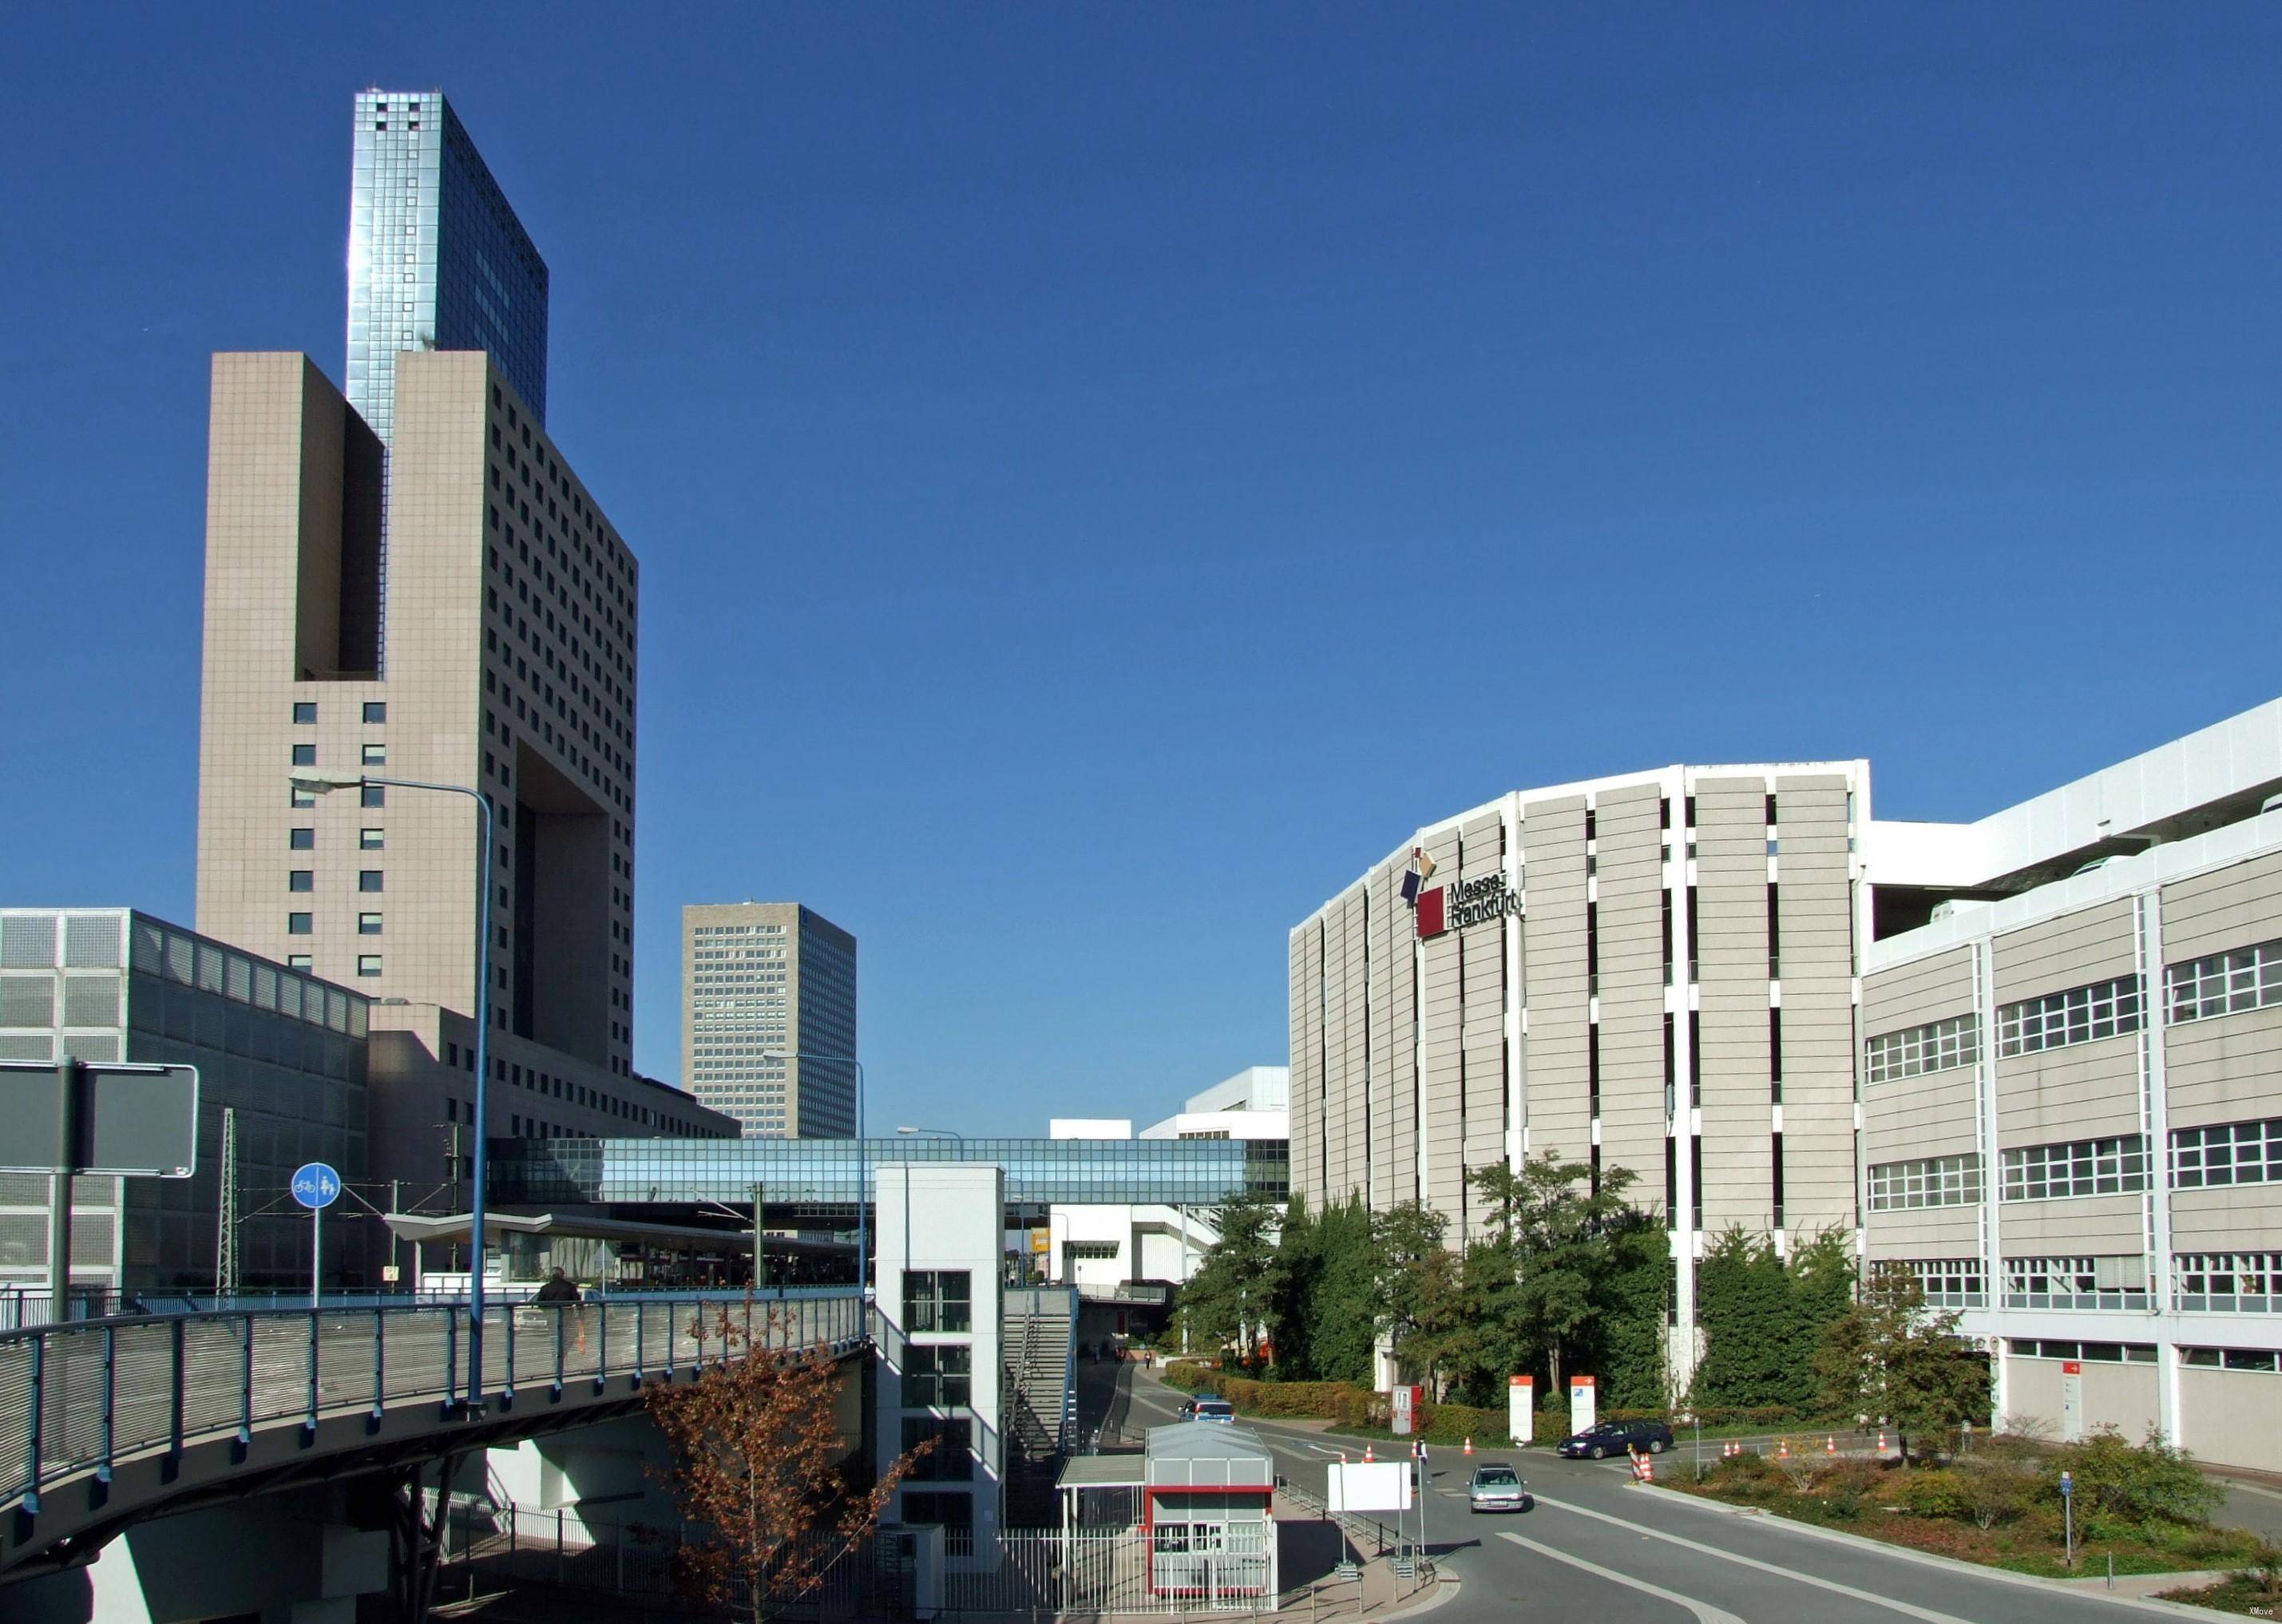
column 2225, row 1282
column 1935, row 1047
column 303, row 837
column 2098, row 1353
column 2112, row 1166
column 368, row 755
column 2079, row 1014
column 2223, row 984
column 1932, row 1181
column 368, row 880
column 305, row 713
column 2227, row 1153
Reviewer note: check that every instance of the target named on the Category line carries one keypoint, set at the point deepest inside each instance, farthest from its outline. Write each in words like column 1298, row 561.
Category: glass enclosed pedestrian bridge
column 828, row 1176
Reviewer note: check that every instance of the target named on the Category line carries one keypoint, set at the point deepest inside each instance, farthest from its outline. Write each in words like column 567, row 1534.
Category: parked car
column 1497, row 1487
column 1210, row 1409
column 1606, row 1438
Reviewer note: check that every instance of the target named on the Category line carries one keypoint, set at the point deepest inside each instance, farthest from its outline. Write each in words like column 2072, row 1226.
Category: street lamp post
column 938, row 1133
column 863, row 1162
column 318, row 782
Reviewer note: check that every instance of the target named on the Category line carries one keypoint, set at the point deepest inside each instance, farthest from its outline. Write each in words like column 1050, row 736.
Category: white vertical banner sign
column 1581, row 1397
column 1521, row 1408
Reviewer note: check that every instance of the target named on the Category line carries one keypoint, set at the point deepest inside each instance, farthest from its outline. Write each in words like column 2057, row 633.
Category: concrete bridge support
column 299, row 1556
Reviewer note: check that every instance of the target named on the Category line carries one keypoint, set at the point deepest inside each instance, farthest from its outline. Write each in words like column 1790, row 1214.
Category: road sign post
column 114, row 1121
column 2067, row 1514
column 316, row 1186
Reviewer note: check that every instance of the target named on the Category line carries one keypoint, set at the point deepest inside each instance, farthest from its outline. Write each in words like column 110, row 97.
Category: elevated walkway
column 106, row 1422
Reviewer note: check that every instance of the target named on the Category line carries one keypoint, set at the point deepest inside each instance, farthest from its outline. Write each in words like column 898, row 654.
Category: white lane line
column 1704, row 1612
column 1927, row 1614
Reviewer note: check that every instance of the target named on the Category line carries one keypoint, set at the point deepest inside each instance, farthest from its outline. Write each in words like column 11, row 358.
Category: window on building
column 302, row 798
column 2112, row 1282
column 937, row 1299
column 368, row 924
column 1938, row 1045
column 375, row 710
column 2098, row 1353
column 373, row 795
column 951, row 1460
column 1934, row 1181
column 1947, row 1282
column 368, row 964
column 953, row 1514
column 2080, row 1015
column 375, row 756
column 372, row 840
column 2225, row 984
column 305, row 755
column 302, row 839
column 368, row 880
column 2228, row 1282
column 304, row 714
column 298, row 962
column 936, row 1377
column 2078, row 1167
column 299, row 925
column 2229, row 1358
column 2227, row 1153
column 301, row 880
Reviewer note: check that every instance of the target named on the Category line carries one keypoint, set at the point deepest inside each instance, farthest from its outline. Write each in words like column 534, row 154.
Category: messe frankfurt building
column 2033, row 1058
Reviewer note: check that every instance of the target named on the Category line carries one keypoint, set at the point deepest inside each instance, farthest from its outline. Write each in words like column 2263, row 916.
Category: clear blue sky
column 1103, row 475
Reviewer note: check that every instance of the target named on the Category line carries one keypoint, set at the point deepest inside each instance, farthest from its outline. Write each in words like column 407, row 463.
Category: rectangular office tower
column 437, row 260
column 768, row 1018
column 511, row 633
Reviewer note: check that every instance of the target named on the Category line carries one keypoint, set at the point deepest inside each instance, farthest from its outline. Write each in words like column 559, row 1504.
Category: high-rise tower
column 437, row 260
column 768, row 1017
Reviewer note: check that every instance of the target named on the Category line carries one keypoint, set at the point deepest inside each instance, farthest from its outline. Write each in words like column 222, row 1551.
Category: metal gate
column 1092, row 1571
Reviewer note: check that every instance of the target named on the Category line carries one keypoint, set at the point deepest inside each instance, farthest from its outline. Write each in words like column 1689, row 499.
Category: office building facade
column 1652, row 972
column 1785, row 1015
column 283, row 1054
column 2072, row 1108
column 768, row 1017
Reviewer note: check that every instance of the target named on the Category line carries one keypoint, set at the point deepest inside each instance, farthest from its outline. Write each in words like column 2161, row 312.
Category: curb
column 2049, row 1587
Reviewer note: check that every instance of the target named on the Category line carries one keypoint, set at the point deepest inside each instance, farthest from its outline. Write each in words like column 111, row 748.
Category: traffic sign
column 2067, row 1484
column 127, row 1121
column 315, row 1184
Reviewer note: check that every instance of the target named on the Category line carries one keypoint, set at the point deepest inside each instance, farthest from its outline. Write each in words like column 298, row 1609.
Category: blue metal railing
column 79, row 1395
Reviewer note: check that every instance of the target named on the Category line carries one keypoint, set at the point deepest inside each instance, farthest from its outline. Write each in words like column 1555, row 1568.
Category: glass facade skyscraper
column 437, row 260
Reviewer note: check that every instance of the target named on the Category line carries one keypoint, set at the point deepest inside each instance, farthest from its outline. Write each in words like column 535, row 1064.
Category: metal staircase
column 1039, row 1332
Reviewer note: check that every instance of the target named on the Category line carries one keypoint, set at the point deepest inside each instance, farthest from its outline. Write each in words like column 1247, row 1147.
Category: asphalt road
column 1598, row 1550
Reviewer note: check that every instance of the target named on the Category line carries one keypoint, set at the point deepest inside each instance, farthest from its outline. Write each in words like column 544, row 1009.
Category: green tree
column 1227, row 1302
column 1567, row 1245
column 1409, row 1273
column 1752, row 1323
column 1890, row 1357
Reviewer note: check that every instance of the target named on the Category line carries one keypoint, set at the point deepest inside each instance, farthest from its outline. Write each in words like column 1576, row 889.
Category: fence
column 1027, row 1573
column 83, row 1393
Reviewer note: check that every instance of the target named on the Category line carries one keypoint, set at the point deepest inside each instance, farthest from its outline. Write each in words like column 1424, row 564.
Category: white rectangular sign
column 1370, row 1486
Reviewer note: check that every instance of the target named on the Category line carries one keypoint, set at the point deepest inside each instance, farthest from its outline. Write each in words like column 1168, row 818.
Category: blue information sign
column 315, row 1184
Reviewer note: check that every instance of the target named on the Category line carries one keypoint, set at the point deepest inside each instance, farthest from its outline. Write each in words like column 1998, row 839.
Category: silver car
column 1497, row 1487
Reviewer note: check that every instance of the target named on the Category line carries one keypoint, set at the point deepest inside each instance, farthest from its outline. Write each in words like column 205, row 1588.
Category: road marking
column 1704, row 1612
column 1927, row 1614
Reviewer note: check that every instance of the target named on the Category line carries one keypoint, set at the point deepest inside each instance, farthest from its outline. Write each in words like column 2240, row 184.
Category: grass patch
column 2241, row 1593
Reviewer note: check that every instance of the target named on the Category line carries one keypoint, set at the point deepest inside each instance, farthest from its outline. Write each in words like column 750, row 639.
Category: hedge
column 1345, row 1404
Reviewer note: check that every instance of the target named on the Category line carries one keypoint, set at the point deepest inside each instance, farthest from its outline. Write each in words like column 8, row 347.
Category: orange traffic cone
column 1783, row 1453
column 1366, row 1455
column 1830, row 1445
column 1647, row 1468
column 1469, row 1446
column 1882, row 1440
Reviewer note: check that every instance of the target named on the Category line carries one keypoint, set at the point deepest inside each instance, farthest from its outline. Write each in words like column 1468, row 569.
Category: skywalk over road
column 1596, row 1550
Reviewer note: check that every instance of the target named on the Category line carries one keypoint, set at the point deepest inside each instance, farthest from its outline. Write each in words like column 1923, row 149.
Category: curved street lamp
column 316, row 781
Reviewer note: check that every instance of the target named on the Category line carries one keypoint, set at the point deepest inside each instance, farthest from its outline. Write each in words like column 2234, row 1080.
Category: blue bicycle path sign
column 315, row 1184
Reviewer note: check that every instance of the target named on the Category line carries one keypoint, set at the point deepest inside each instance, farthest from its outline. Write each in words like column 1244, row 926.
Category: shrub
column 1995, row 1489
column 2137, row 1482
column 1934, row 1493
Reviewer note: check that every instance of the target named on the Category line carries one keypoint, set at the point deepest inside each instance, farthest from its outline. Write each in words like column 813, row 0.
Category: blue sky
column 1104, row 475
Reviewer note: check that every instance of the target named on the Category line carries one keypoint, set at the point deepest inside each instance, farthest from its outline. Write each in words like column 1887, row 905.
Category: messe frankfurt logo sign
column 1467, row 902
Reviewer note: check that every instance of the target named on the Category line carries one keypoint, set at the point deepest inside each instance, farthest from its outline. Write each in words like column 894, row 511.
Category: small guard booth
column 1206, row 1512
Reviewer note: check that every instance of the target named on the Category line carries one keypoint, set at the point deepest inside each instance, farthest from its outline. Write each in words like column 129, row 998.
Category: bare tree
column 760, row 1468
